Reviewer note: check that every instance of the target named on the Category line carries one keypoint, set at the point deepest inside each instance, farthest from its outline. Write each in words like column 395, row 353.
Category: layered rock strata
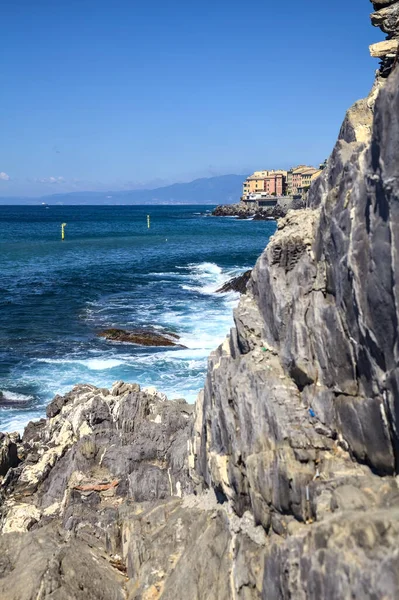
column 298, row 422
column 97, row 504
column 76, row 485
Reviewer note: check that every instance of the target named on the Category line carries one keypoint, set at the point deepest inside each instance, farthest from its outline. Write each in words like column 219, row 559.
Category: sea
column 111, row 270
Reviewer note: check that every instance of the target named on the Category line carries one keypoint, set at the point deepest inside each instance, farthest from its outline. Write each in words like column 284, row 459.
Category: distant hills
column 224, row 189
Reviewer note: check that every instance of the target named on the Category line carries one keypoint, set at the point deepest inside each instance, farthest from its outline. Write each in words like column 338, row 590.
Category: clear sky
column 116, row 94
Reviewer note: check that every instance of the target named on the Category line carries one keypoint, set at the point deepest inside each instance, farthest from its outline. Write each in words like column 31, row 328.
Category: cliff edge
column 298, row 421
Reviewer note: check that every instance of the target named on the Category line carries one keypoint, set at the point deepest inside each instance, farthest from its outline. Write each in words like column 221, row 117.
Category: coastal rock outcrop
column 101, row 506
column 106, row 444
column 236, row 284
column 141, row 337
column 263, row 213
column 99, row 455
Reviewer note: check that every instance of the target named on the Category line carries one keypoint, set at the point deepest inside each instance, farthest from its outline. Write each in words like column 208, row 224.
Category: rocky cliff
column 283, row 483
column 298, row 421
column 297, row 424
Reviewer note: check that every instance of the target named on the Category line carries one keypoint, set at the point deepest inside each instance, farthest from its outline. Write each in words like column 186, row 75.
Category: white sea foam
column 101, row 365
column 97, row 364
column 14, row 397
column 16, row 421
column 200, row 316
column 211, row 278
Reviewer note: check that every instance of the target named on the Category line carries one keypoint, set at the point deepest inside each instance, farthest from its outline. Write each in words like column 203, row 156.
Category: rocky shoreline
column 281, row 482
column 244, row 211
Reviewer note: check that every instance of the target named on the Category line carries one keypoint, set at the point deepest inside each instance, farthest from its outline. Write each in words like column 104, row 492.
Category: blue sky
column 120, row 94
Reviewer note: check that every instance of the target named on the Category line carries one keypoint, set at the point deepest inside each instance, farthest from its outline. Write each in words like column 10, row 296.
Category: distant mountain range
column 224, row 189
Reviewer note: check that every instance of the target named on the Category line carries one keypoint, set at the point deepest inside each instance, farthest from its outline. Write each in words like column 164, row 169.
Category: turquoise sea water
column 111, row 271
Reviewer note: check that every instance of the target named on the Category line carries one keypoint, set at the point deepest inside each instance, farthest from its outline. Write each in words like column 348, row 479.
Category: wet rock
column 144, row 337
column 236, row 284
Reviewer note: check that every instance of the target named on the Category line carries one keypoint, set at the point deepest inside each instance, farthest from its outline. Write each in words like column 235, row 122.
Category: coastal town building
column 263, row 186
column 275, row 183
column 290, row 177
column 299, row 179
column 272, row 182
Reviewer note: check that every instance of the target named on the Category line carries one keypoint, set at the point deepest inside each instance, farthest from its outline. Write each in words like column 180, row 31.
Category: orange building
column 271, row 182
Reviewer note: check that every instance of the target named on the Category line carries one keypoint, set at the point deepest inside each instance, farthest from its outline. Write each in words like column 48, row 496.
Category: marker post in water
column 148, row 221
column 63, row 225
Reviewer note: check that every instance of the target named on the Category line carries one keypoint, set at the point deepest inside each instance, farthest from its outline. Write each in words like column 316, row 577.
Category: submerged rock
column 14, row 400
column 142, row 337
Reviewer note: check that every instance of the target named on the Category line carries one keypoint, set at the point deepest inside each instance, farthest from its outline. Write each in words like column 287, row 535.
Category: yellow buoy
column 63, row 225
column 148, row 221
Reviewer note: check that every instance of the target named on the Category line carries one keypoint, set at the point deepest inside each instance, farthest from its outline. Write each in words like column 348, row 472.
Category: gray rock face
column 236, row 284
column 48, row 563
column 99, row 451
column 298, row 422
column 96, row 511
column 122, row 442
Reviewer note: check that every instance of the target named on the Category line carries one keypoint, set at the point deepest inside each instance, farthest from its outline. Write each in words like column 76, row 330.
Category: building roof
column 303, row 170
column 317, row 173
column 262, row 174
